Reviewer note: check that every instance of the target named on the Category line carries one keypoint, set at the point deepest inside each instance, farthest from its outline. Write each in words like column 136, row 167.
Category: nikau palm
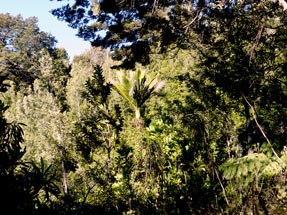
column 136, row 88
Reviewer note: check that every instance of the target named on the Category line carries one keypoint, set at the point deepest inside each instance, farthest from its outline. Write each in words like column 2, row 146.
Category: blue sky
column 47, row 22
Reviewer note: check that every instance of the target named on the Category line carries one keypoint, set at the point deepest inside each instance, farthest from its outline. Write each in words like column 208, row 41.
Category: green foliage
column 21, row 182
column 202, row 149
column 82, row 69
column 97, row 88
column 11, row 136
column 55, row 71
column 21, row 48
column 250, row 165
column 136, row 88
column 104, row 118
column 135, row 28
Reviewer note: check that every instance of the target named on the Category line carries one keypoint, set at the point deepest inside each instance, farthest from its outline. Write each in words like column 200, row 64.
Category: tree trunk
column 63, row 167
column 64, row 172
column 247, row 128
column 108, row 138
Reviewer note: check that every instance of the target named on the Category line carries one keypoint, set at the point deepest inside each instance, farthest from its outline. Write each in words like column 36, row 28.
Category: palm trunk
column 138, row 113
column 137, row 121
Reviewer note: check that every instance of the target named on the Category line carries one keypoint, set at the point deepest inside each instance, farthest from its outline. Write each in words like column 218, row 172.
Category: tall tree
column 21, row 47
column 132, row 29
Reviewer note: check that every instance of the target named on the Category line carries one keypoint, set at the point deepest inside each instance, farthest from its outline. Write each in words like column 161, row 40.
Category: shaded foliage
column 21, row 182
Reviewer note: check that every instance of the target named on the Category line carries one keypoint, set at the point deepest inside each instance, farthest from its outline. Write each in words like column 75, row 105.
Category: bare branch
column 262, row 131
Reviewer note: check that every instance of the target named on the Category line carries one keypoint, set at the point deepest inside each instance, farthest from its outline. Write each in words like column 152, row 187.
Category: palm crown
column 136, row 87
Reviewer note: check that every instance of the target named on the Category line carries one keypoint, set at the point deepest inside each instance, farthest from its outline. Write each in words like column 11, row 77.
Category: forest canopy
column 179, row 107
